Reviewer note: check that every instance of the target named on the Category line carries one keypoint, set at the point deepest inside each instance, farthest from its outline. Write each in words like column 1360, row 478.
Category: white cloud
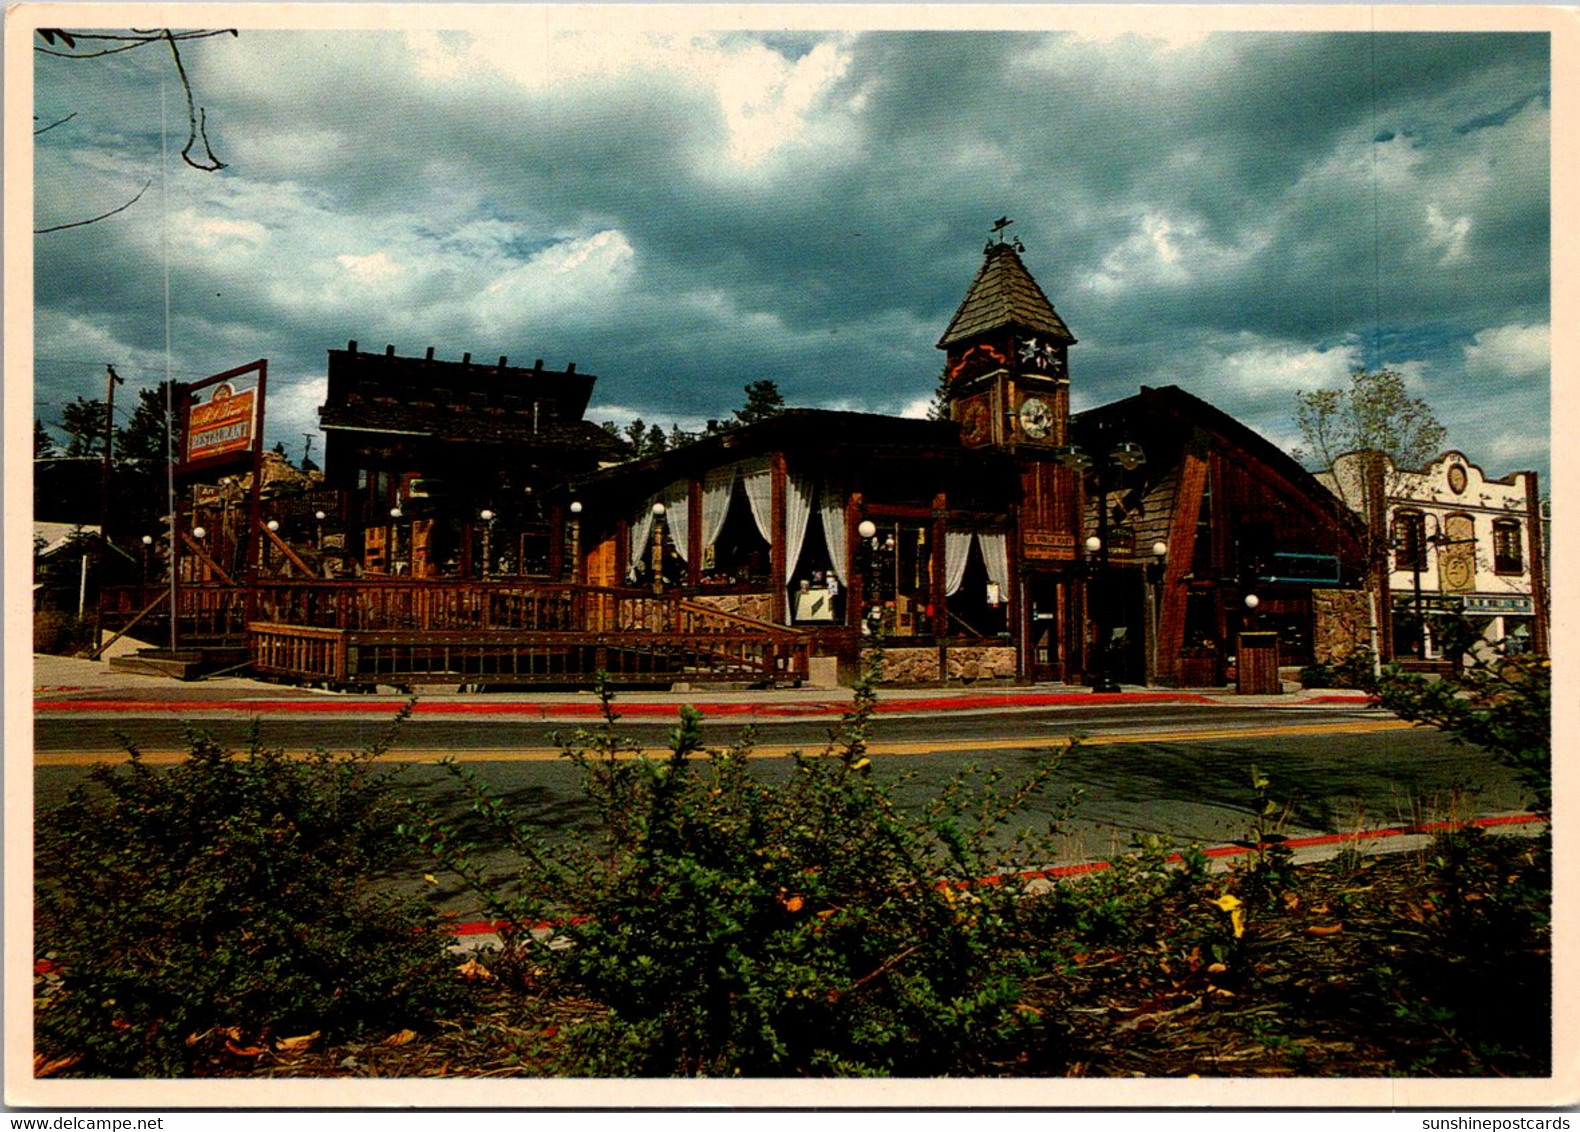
column 1254, row 364
column 1448, row 234
column 765, row 99
column 375, row 269
column 1168, row 251
column 918, row 410
column 570, row 276
column 1510, row 351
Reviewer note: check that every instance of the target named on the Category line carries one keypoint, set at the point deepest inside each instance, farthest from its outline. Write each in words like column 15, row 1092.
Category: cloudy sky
column 684, row 211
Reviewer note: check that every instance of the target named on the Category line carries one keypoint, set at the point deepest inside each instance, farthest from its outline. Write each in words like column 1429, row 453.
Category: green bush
column 226, row 903
column 1356, row 670
column 1502, row 704
column 731, row 923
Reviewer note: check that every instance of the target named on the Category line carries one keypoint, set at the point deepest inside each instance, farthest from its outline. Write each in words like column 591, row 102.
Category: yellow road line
column 780, row 750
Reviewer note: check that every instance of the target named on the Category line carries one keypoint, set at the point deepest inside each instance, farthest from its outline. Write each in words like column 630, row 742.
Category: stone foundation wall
column 965, row 662
column 981, row 662
column 759, row 606
column 1340, row 623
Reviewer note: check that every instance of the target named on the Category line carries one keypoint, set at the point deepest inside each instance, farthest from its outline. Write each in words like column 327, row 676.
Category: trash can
column 1258, row 665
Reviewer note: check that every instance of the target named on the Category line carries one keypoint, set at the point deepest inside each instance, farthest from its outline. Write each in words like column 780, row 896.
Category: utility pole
column 307, row 449
column 113, row 380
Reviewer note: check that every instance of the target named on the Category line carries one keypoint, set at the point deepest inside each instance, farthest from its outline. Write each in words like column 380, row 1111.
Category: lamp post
column 395, row 514
column 488, row 530
column 576, row 539
column 1125, row 457
column 1155, row 570
column 658, row 547
column 148, row 541
column 867, row 531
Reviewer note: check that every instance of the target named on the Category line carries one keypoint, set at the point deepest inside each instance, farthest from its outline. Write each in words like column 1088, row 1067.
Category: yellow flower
column 1231, row 904
column 430, row 878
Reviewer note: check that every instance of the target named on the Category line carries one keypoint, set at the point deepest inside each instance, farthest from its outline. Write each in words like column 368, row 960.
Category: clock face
column 1035, row 418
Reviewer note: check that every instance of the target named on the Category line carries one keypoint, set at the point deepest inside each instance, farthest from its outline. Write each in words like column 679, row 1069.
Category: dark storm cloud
column 1242, row 214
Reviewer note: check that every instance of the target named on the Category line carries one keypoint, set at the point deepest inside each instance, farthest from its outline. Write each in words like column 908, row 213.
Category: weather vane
column 999, row 225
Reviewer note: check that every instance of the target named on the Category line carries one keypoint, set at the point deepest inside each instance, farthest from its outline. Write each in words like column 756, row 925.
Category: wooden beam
column 1182, row 550
column 164, row 596
column 197, row 548
column 285, row 549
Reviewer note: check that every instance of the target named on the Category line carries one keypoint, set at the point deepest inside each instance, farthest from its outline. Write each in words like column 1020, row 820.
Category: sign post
column 222, row 428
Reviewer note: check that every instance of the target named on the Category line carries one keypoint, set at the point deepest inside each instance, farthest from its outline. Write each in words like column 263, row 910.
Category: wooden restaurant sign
column 224, row 418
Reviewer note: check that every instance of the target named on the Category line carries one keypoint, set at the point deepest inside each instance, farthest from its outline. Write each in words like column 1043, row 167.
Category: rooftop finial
column 999, row 225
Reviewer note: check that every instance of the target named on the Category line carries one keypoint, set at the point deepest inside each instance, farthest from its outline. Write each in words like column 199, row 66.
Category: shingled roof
column 1004, row 294
column 479, row 427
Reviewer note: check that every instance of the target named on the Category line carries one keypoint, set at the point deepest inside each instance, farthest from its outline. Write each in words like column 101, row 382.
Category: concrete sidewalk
column 71, row 686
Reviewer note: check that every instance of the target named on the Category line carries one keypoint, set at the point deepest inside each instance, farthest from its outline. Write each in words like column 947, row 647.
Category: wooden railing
column 400, row 631
column 351, row 658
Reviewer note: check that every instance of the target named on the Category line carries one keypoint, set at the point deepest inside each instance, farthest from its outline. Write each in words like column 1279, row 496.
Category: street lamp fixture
column 148, row 540
column 199, row 532
column 273, row 524
column 867, row 528
column 1159, row 549
column 576, row 507
column 1126, row 456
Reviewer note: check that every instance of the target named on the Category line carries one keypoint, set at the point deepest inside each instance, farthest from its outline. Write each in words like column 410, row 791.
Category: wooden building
column 1212, row 514
column 766, row 523
column 443, row 465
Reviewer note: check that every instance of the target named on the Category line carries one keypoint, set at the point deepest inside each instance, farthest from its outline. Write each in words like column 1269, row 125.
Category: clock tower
column 1006, row 369
column 1007, row 384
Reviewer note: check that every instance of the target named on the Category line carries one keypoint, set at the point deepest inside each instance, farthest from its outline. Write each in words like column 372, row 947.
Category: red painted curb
column 650, row 710
column 484, row 927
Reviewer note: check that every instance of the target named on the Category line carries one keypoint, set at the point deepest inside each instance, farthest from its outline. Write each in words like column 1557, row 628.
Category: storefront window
column 740, row 555
column 899, row 578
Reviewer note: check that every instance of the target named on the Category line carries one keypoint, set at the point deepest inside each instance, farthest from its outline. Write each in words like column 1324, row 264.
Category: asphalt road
column 1183, row 773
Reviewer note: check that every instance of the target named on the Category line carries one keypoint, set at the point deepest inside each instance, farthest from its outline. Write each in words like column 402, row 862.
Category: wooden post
column 779, row 567
column 557, row 542
column 694, row 532
column 855, row 555
column 1538, row 560
column 936, row 596
column 1014, row 595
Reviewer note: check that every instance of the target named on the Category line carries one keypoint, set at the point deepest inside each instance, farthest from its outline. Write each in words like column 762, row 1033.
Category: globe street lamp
column 487, row 516
column 576, row 539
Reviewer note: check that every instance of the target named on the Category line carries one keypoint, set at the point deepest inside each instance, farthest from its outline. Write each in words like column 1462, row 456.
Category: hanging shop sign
column 222, row 421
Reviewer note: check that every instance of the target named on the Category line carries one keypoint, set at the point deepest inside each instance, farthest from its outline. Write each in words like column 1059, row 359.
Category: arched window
column 1507, row 555
column 1409, row 540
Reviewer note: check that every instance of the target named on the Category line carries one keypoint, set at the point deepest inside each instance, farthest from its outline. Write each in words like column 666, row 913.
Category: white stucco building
column 1450, row 539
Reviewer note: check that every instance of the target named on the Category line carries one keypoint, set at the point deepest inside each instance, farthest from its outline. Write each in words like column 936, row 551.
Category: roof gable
column 1004, row 294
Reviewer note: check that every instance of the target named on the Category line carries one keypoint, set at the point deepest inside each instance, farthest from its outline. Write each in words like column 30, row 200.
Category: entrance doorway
column 1044, row 639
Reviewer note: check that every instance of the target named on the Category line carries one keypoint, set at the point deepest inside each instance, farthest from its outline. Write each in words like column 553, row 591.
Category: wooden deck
column 407, row 633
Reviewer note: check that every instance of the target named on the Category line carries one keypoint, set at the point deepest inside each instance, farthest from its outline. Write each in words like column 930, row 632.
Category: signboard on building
column 223, row 419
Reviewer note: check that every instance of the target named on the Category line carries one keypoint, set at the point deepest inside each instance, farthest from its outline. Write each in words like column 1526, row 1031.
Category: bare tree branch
column 197, row 124
column 96, row 219
column 52, row 125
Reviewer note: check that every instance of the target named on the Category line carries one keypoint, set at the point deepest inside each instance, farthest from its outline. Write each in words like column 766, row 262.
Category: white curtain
column 832, row 509
column 677, row 516
column 718, row 486
column 758, row 481
column 957, row 551
column 798, row 509
column 641, row 528
column 995, row 556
